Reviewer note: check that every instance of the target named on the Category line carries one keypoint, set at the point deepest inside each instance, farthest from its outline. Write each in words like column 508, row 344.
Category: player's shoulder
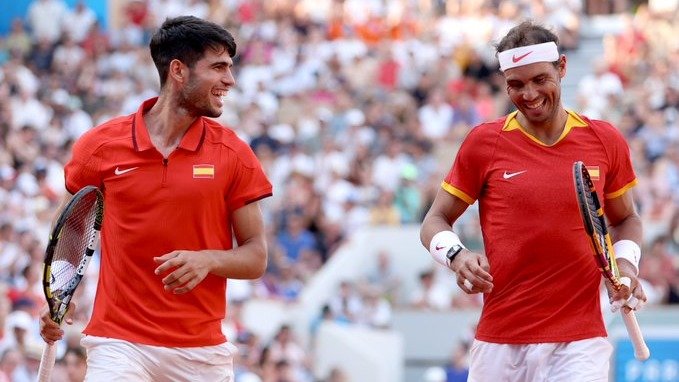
column 487, row 130
column 221, row 134
column 218, row 134
column 601, row 127
column 114, row 129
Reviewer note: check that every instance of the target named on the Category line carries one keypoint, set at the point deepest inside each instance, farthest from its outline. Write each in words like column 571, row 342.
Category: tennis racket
column 71, row 244
column 596, row 228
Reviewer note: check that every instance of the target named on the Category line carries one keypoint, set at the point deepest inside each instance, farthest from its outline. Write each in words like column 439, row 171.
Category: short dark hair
column 186, row 38
column 526, row 33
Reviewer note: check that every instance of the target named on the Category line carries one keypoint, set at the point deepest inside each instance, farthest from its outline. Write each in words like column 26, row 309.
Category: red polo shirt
column 546, row 282
column 153, row 206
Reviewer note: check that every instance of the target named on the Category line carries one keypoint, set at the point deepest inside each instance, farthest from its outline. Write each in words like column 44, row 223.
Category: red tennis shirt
column 153, row 206
column 546, row 282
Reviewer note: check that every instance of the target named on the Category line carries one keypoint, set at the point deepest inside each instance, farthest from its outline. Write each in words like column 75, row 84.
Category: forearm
column 247, row 261
column 628, row 229
column 431, row 225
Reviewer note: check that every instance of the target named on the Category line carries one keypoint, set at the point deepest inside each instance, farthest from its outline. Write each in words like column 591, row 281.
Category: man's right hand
column 50, row 331
column 472, row 270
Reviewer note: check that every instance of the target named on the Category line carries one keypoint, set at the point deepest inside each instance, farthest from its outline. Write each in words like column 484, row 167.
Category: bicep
column 447, row 207
column 248, row 223
column 444, row 211
column 620, row 208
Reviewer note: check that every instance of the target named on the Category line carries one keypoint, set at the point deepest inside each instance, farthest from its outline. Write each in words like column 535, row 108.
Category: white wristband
column 440, row 245
column 628, row 250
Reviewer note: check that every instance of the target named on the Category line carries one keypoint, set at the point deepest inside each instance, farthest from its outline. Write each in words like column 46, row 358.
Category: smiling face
column 207, row 82
column 535, row 90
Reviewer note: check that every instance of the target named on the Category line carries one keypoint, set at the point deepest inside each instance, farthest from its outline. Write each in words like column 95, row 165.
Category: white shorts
column 582, row 361
column 110, row 359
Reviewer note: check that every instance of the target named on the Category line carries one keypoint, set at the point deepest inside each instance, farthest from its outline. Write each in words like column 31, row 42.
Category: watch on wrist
column 453, row 251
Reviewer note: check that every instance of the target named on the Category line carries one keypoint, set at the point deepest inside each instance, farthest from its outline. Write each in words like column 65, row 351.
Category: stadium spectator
column 383, row 277
column 291, row 359
column 75, row 361
column 347, row 304
column 457, row 369
column 430, row 294
column 46, row 19
column 295, row 238
column 78, row 21
column 12, row 366
column 315, row 78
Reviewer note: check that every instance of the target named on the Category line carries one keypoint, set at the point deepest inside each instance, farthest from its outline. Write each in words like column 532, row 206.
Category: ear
column 562, row 66
column 178, row 72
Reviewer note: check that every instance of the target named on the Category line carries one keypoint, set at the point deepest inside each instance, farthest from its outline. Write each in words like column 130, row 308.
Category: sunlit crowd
column 355, row 109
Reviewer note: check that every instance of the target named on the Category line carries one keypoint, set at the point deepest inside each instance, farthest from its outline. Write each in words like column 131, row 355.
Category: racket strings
column 74, row 238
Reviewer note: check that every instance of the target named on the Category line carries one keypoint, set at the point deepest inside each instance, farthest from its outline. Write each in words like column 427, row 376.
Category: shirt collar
column 573, row 120
column 192, row 139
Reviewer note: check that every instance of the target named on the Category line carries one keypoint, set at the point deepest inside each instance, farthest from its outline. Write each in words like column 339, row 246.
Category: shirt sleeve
column 83, row 169
column 466, row 177
column 250, row 183
column 620, row 176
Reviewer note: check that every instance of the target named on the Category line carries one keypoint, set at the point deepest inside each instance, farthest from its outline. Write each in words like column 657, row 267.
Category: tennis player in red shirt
column 541, row 318
column 177, row 187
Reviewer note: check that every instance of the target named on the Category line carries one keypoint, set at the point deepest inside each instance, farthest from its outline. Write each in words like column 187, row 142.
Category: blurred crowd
column 354, row 107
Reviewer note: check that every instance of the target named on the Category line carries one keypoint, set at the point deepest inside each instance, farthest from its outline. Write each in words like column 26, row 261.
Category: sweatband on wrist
column 628, row 250
column 529, row 54
column 440, row 245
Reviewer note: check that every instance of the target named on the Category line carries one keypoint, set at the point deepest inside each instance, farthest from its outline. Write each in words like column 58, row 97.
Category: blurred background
column 356, row 109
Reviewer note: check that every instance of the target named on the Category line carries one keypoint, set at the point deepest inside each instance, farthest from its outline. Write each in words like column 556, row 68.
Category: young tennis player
column 541, row 319
column 177, row 187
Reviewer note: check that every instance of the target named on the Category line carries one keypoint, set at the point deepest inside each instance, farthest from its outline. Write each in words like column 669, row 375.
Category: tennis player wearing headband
column 541, row 318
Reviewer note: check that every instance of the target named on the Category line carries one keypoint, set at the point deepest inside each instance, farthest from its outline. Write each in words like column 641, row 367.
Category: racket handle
column 641, row 351
column 49, row 355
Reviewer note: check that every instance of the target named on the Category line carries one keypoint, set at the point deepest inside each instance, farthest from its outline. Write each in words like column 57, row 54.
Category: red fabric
column 152, row 208
column 546, row 283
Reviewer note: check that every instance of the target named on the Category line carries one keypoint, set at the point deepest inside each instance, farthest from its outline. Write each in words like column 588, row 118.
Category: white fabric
column 584, row 360
column 530, row 54
column 628, row 250
column 110, row 359
column 441, row 243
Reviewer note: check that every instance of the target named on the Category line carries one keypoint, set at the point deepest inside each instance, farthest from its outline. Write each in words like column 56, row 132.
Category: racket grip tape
column 641, row 351
column 49, row 355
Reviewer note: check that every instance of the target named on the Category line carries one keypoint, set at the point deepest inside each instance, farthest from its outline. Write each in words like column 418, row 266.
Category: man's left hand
column 630, row 298
column 188, row 269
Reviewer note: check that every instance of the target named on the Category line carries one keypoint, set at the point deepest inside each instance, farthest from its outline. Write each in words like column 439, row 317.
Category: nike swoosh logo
column 439, row 248
column 521, row 57
column 508, row 175
column 118, row 171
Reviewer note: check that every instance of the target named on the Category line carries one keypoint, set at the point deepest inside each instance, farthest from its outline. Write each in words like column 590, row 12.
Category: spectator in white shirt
column 46, row 17
column 78, row 21
column 436, row 115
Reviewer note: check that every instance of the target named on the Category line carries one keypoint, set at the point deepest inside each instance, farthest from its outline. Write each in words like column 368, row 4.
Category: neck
column 549, row 131
column 167, row 122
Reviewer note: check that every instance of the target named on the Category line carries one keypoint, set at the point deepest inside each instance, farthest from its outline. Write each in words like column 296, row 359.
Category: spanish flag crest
column 593, row 172
column 203, row 171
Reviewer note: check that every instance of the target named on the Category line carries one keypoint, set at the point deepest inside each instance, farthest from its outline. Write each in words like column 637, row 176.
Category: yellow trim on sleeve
column 456, row 192
column 621, row 191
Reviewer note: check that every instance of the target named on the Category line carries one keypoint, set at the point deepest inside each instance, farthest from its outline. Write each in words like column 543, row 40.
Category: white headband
column 530, row 54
